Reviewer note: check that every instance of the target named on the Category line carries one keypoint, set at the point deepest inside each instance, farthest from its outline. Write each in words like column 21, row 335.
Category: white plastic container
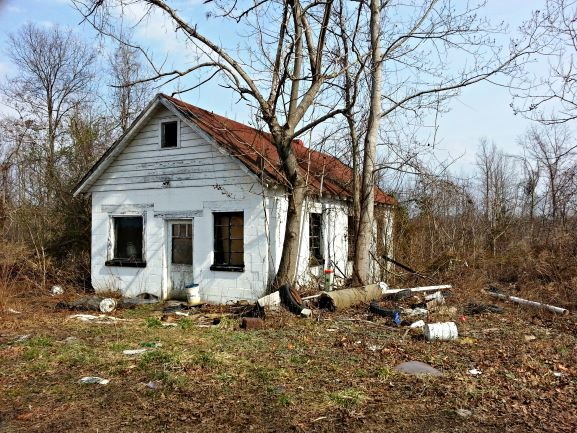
column 193, row 295
column 444, row 331
column 107, row 305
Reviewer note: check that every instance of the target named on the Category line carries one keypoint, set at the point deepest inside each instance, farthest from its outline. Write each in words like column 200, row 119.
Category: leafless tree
column 553, row 149
column 55, row 73
column 551, row 96
column 498, row 186
column 126, row 68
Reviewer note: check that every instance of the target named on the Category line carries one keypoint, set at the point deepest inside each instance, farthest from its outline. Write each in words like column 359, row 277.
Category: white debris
column 475, row 372
column 134, row 351
column 57, row 290
column 94, row 379
column 418, row 324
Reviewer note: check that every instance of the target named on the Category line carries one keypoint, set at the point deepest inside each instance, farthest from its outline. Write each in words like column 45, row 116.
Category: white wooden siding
column 143, row 164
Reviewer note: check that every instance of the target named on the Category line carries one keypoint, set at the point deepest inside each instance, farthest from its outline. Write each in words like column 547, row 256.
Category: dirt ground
column 334, row 372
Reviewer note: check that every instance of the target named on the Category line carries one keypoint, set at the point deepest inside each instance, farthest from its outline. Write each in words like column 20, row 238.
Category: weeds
column 347, row 398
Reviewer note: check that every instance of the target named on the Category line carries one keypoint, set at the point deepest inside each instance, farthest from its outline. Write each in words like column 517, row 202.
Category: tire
column 377, row 309
column 290, row 299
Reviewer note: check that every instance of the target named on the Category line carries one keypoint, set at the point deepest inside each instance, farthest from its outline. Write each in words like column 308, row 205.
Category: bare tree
column 129, row 96
column 553, row 149
column 498, row 187
column 55, row 72
column 551, row 97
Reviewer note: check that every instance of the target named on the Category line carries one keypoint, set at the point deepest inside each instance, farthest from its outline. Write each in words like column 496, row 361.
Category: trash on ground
column 291, row 299
column 464, row 413
column 530, row 338
column 474, row 308
column 418, row 324
column 94, row 379
column 141, row 299
column 414, row 312
column 131, row 352
column 153, row 385
column 13, row 311
column 21, row 338
column 107, row 305
column 101, row 318
column 340, row 299
column 305, row 312
column 374, row 347
column 419, row 289
column 496, row 294
column 57, row 290
column 475, row 372
column 271, row 302
column 444, row 331
column 251, row 323
column 557, row 374
column 418, row 368
column 87, row 303
column 434, row 300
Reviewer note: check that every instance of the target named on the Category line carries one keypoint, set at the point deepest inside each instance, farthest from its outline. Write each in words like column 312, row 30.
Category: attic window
column 169, row 134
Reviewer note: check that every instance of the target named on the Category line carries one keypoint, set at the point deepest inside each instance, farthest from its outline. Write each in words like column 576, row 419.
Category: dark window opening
column 169, row 134
column 315, row 238
column 127, row 248
column 228, row 241
column 351, row 237
column 182, row 244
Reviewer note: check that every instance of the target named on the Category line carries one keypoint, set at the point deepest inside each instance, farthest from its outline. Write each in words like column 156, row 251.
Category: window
column 228, row 241
column 315, row 238
column 182, row 244
column 169, row 134
column 127, row 242
column 351, row 237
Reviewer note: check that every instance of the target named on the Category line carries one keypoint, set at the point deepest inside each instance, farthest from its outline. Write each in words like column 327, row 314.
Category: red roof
column 325, row 174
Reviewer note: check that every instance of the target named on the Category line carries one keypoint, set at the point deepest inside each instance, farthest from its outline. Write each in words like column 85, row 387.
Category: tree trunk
column 361, row 264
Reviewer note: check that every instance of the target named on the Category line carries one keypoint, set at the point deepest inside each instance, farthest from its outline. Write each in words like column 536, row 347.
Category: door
column 179, row 255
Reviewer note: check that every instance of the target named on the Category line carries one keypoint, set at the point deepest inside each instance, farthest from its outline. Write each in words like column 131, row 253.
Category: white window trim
column 178, row 125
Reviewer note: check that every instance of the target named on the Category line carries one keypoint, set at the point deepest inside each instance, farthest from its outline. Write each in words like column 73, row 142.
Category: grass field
column 332, row 373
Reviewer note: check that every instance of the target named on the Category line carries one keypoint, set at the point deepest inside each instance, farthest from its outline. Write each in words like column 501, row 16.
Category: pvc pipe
column 530, row 303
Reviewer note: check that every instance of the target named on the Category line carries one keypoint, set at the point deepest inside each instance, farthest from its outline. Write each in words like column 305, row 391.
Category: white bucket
column 107, row 305
column 441, row 331
column 193, row 295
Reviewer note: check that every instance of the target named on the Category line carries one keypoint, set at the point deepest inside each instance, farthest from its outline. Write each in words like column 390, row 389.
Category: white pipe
column 530, row 303
column 418, row 289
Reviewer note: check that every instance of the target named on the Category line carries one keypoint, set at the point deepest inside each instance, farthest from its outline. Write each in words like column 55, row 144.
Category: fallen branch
column 529, row 303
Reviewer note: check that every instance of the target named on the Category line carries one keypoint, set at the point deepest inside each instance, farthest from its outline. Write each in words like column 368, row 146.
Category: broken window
column 228, row 241
column 127, row 241
column 315, row 239
column 182, row 244
column 169, row 134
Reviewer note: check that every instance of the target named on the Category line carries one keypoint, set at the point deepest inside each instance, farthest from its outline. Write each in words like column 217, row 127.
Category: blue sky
column 480, row 111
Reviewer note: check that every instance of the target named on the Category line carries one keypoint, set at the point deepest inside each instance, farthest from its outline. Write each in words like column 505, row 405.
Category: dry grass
column 332, row 374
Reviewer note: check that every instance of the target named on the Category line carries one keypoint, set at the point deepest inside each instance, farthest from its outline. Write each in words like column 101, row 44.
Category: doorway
column 180, row 237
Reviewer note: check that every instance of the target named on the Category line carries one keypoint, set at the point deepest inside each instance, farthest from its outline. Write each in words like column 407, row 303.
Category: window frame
column 112, row 260
column 162, row 135
column 316, row 256
column 224, row 266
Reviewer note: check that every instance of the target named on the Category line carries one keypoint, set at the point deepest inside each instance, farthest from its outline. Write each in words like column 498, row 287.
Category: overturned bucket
column 441, row 331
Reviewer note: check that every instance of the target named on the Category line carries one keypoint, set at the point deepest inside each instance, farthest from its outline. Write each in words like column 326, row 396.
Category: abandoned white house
column 189, row 197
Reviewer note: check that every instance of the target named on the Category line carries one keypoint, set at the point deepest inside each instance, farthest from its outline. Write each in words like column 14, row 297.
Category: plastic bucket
column 441, row 331
column 193, row 295
column 107, row 305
